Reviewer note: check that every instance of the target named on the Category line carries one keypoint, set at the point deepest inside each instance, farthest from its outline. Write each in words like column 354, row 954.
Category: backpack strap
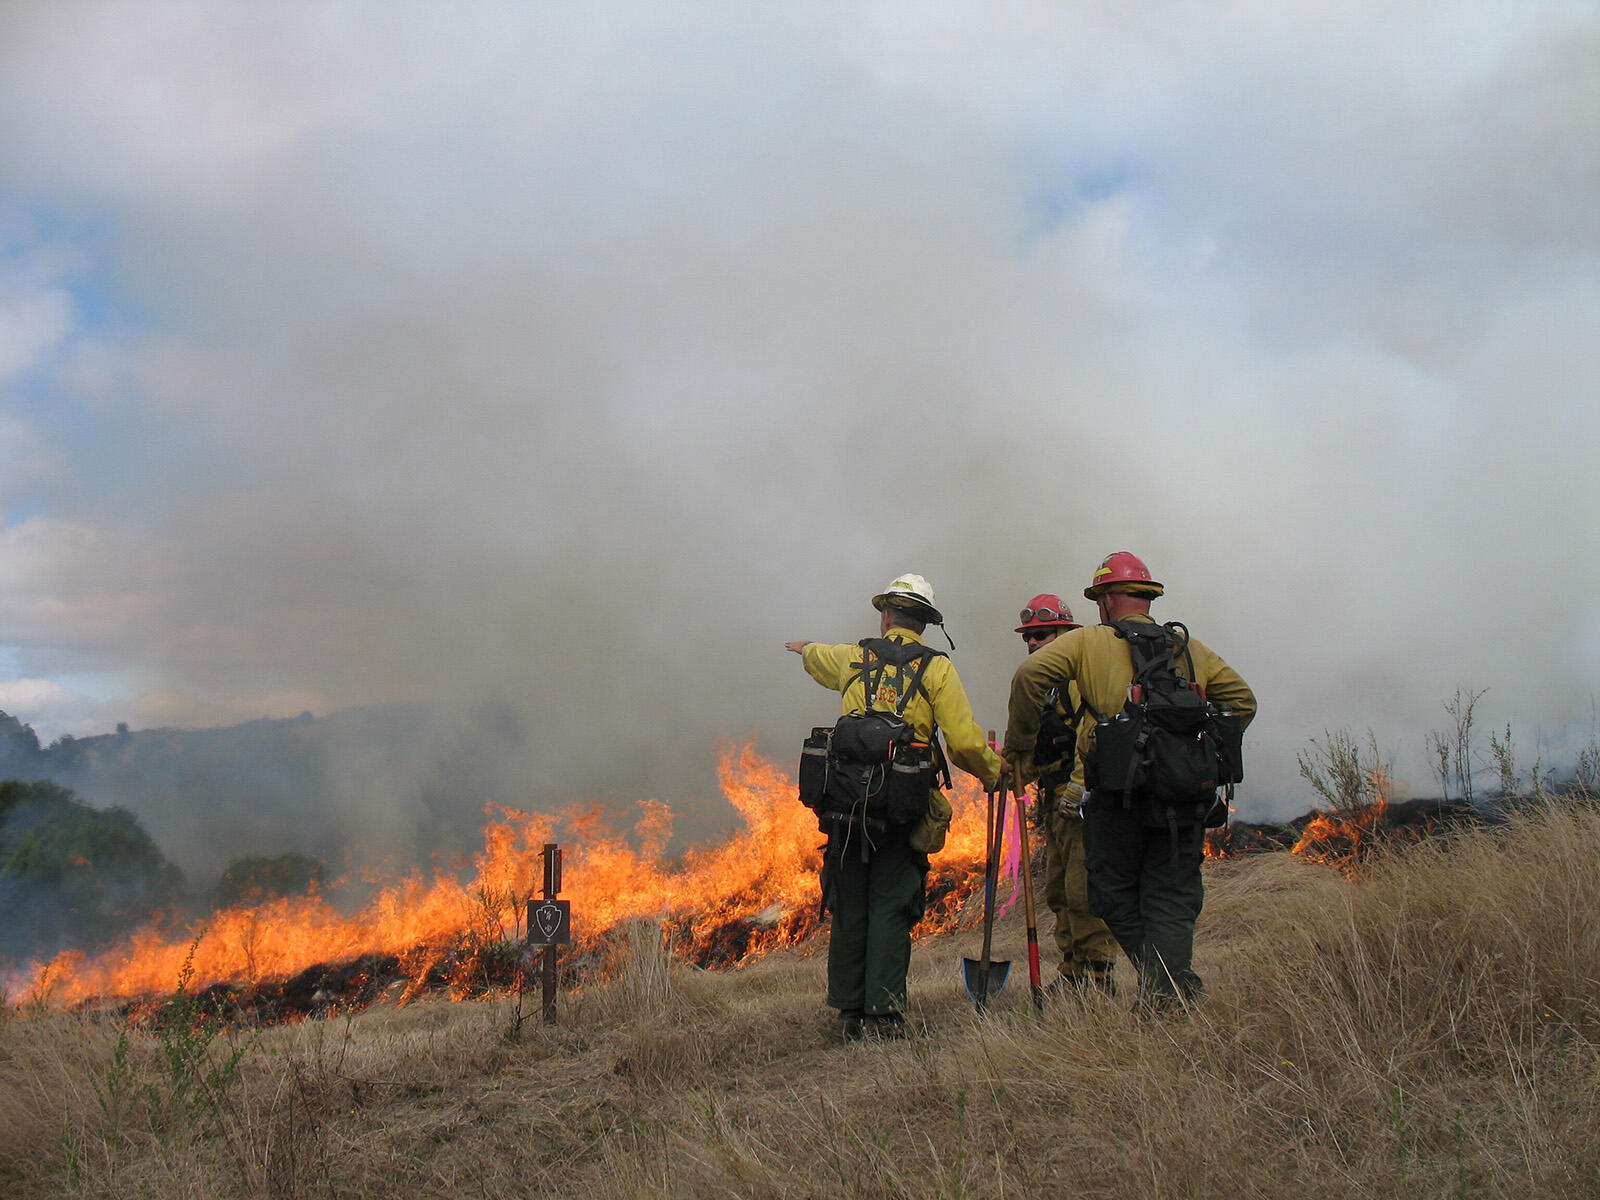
column 901, row 654
column 915, row 686
column 863, row 672
column 869, row 671
column 1150, row 646
column 942, row 764
column 881, row 652
column 1180, row 634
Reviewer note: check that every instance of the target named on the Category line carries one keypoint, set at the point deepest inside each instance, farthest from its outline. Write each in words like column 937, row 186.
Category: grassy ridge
column 1431, row 1029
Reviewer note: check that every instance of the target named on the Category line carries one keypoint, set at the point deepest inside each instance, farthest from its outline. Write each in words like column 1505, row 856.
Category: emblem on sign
column 549, row 922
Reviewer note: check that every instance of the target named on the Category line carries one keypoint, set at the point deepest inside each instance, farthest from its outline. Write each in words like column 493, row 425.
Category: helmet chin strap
column 947, row 636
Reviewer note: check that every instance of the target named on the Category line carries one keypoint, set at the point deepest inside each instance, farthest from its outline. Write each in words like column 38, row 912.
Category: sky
column 577, row 356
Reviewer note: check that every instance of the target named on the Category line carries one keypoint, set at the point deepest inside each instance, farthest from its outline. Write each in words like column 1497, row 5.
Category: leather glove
column 1069, row 800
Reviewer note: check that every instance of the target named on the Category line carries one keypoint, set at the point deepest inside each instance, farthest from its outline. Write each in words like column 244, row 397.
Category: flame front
column 1341, row 839
column 770, row 864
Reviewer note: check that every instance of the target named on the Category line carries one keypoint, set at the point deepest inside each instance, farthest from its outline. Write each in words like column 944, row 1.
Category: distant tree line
column 303, row 783
column 73, row 877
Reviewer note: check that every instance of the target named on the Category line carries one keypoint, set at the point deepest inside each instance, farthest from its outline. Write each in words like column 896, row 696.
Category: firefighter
column 874, row 874
column 1144, row 878
column 1088, row 951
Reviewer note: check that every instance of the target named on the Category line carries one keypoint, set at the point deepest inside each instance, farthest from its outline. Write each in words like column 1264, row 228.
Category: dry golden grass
column 1429, row 1030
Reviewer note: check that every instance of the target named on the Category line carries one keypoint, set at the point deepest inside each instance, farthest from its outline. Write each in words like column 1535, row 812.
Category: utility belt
column 1162, row 813
column 1181, row 822
column 856, row 833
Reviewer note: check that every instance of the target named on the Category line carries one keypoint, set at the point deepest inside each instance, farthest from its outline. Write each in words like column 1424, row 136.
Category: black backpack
column 871, row 767
column 1057, row 741
column 1169, row 749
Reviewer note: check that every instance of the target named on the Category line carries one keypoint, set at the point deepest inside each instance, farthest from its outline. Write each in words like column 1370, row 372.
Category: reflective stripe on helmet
column 911, row 593
column 1122, row 572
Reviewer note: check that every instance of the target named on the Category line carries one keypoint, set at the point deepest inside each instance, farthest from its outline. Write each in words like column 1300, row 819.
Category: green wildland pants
column 1083, row 939
column 1145, row 885
column 874, row 906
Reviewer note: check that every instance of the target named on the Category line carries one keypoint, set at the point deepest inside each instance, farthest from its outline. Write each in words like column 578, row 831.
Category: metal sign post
column 549, row 926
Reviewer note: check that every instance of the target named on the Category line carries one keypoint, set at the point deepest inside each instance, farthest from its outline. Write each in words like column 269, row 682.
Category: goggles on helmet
column 1043, row 614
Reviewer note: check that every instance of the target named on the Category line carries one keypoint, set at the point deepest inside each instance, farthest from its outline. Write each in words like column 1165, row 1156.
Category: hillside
column 406, row 783
column 1430, row 1027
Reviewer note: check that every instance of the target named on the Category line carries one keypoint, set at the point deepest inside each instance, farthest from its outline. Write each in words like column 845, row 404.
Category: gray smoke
column 571, row 360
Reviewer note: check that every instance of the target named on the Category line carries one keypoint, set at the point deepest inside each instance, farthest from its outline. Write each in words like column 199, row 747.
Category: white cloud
column 36, row 311
column 76, row 586
column 51, row 709
column 26, row 456
column 29, row 326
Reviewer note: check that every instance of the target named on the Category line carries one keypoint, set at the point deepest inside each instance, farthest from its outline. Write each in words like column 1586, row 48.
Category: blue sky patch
column 1057, row 195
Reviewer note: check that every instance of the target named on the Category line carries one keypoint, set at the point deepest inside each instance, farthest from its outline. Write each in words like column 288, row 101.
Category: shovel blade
column 972, row 976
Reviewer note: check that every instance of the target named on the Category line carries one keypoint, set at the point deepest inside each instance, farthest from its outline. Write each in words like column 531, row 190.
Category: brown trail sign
column 549, row 926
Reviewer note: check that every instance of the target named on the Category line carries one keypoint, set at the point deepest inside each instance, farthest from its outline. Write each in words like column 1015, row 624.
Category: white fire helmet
column 912, row 594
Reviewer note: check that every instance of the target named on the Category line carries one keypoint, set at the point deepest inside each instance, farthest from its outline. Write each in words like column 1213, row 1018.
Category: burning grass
column 726, row 903
column 721, row 906
column 1431, row 1028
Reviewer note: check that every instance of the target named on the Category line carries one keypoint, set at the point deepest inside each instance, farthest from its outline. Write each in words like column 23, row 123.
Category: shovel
column 986, row 977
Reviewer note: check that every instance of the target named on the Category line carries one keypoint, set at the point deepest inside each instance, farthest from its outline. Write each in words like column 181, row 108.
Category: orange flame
column 1341, row 839
column 1216, row 840
column 771, row 863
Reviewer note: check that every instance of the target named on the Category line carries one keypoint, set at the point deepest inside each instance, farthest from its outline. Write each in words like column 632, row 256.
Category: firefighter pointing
column 872, row 778
column 1163, row 719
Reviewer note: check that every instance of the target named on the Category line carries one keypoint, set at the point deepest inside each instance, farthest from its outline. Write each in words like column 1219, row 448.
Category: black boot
column 850, row 1027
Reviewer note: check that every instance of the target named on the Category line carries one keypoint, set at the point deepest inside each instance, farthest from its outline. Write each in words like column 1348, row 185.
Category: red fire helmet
column 1046, row 611
column 1122, row 572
